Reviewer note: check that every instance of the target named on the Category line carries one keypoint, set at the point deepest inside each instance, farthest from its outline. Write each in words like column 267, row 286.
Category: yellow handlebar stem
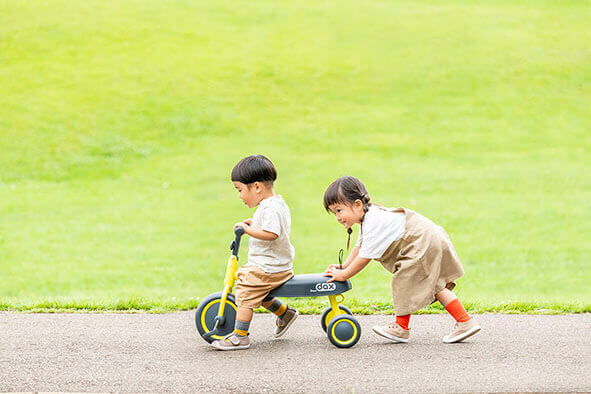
column 231, row 270
column 229, row 280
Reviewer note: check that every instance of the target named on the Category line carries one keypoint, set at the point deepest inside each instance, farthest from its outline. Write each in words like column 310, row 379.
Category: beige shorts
column 254, row 285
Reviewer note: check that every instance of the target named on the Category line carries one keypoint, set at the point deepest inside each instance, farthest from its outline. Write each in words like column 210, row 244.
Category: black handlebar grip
column 239, row 231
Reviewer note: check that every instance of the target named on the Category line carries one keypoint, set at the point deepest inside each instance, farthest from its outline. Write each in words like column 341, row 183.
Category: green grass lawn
column 120, row 122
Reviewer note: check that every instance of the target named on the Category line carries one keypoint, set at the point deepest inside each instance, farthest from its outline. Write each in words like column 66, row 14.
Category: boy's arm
column 261, row 234
column 256, row 232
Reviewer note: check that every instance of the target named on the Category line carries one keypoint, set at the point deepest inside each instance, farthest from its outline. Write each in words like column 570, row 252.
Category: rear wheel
column 207, row 312
column 327, row 315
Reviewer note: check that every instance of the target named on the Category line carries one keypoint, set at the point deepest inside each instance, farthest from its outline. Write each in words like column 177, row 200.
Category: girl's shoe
column 283, row 324
column 462, row 331
column 393, row 332
column 232, row 342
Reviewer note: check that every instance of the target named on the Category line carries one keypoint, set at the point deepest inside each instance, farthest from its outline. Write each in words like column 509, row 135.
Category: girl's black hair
column 346, row 190
column 254, row 168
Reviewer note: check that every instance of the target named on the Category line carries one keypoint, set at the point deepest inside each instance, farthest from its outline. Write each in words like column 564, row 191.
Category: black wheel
column 207, row 312
column 343, row 331
column 325, row 318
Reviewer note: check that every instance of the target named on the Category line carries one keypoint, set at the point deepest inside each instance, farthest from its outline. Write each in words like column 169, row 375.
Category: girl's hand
column 332, row 266
column 335, row 274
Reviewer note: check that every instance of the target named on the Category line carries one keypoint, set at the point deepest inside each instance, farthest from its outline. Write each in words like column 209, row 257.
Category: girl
column 417, row 251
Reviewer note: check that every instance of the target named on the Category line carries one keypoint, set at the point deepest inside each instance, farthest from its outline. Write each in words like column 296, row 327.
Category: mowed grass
column 121, row 121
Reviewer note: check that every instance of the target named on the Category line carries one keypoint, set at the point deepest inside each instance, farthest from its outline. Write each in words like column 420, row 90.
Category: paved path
column 149, row 352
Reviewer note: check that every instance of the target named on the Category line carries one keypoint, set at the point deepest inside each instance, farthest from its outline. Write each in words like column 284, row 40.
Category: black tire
column 207, row 312
column 343, row 331
column 323, row 318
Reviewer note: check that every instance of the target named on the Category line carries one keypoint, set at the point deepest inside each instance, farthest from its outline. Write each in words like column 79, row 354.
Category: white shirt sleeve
column 271, row 220
column 358, row 243
column 380, row 228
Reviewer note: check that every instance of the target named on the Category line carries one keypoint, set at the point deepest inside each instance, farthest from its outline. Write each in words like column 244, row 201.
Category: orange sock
column 403, row 321
column 456, row 309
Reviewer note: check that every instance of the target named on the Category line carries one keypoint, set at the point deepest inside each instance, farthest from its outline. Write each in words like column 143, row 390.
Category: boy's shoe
column 232, row 342
column 286, row 322
column 393, row 332
column 462, row 331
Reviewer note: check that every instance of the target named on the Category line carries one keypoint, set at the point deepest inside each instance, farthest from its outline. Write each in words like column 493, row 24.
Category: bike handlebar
column 235, row 245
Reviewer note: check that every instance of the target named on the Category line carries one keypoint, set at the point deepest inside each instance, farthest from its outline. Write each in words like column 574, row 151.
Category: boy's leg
column 465, row 326
column 285, row 315
column 243, row 319
column 238, row 339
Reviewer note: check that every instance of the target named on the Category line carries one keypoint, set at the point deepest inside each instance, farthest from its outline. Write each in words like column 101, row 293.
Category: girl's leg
column 453, row 305
column 403, row 321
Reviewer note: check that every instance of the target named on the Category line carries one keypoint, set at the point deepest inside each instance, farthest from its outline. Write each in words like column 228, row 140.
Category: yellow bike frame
column 229, row 280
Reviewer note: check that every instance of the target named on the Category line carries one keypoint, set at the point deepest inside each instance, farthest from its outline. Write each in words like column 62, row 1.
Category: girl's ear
column 358, row 203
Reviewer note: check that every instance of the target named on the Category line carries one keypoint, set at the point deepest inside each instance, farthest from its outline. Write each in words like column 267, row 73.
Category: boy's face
column 348, row 214
column 249, row 194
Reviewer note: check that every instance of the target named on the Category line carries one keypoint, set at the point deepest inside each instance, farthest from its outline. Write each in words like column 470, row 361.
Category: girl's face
column 249, row 194
column 348, row 214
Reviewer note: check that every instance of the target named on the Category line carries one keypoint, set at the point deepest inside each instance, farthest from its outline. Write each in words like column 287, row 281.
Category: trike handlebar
column 235, row 245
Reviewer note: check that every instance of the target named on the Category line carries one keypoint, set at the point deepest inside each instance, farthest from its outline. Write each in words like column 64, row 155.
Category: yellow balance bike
column 216, row 314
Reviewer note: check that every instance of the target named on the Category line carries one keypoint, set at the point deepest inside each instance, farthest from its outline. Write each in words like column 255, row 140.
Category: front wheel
column 207, row 312
column 343, row 331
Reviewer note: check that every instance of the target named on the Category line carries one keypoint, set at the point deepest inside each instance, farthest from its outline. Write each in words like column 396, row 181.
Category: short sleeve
column 379, row 230
column 271, row 221
column 358, row 243
column 374, row 243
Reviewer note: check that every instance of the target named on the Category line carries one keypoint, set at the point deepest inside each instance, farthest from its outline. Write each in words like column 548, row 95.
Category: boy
column 270, row 254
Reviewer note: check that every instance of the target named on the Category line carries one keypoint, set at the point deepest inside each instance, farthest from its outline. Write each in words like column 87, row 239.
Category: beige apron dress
column 423, row 262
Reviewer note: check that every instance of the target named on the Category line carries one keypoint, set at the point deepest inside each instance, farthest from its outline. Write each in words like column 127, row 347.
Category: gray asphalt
column 162, row 352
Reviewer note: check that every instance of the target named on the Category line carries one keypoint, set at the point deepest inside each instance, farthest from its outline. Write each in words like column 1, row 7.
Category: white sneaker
column 462, row 331
column 393, row 332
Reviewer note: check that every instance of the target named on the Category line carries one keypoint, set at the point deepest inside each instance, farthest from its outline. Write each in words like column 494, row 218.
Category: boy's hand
column 244, row 224
column 335, row 274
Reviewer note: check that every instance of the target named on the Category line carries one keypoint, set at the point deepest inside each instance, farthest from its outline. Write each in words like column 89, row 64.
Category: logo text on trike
column 323, row 287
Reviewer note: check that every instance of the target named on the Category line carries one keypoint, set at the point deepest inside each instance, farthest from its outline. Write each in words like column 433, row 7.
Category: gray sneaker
column 283, row 324
column 462, row 331
column 232, row 342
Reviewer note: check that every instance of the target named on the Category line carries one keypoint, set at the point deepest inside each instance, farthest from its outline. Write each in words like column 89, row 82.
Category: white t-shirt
column 380, row 228
column 272, row 215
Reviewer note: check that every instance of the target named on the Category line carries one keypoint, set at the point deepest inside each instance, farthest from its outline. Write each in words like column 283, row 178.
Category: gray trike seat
column 310, row 285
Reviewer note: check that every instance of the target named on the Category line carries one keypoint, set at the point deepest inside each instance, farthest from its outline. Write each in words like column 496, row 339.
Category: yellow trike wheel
column 207, row 312
column 327, row 316
column 343, row 331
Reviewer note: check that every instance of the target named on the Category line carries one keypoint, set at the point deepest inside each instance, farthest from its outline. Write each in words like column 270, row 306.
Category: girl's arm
column 351, row 257
column 354, row 267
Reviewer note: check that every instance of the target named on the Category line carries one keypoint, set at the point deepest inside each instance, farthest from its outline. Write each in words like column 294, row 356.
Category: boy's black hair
column 254, row 168
column 346, row 190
